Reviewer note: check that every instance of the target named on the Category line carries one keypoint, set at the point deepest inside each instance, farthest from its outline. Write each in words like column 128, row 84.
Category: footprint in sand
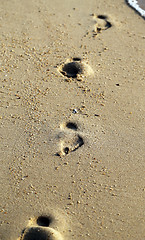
column 101, row 23
column 75, row 68
column 70, row 138
column 40, row 228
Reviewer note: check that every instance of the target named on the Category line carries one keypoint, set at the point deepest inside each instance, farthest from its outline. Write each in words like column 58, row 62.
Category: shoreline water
column 138, row 6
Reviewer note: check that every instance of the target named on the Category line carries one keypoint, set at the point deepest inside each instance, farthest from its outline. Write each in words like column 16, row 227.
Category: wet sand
column 138, row 6
column 72, row 120
column 141, row 4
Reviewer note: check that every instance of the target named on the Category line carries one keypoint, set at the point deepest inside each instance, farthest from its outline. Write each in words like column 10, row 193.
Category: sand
column 137, row 5
column 141, row 4
column 72, row 136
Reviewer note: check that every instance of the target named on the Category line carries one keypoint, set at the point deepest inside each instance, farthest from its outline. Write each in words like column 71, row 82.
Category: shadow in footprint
column 102, row 23
column 44, row 221
column 77, row 144
column 75, row 68
column 39, row 229
column 70, row 139
column 72, row 69
column 36, row 233
column 107, row 23
column 72, row 125
column 80, row 142
column 39, row 233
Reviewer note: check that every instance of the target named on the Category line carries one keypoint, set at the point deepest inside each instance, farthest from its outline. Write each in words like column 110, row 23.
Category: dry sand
column 72, row 159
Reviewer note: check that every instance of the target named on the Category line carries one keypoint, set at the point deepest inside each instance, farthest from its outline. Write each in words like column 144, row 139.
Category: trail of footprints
column 70, row 138
column 40, row 228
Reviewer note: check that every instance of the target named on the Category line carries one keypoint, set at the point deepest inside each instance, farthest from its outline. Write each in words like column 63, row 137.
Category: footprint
column 70, row 144
column 70, row 138
column 101, row 23
column 37, row 233
column 40, row 229
column 75, row 68
column 70, row 125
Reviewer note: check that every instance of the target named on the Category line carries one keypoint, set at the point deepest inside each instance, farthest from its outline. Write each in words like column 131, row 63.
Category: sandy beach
column 72, row 120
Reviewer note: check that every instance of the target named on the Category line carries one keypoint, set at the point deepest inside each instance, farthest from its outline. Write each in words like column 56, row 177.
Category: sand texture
column 72, row 120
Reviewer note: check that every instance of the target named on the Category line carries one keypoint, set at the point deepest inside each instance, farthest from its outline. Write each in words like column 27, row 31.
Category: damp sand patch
column 138, row 6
